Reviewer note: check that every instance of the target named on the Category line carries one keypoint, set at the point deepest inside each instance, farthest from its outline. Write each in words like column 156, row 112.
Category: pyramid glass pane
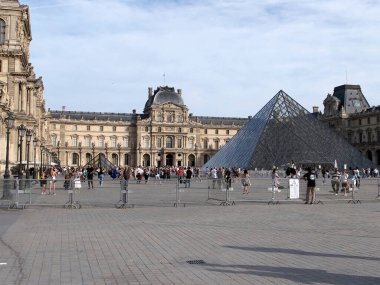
column 282, row 131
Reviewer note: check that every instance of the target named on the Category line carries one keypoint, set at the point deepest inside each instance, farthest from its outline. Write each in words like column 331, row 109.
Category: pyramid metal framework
column 100, row 161
column 281, row 131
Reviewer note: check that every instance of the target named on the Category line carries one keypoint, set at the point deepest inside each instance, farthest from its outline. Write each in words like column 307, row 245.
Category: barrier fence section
column 21, row 193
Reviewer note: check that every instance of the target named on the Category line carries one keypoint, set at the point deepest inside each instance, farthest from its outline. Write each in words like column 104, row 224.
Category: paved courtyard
column 249, row 243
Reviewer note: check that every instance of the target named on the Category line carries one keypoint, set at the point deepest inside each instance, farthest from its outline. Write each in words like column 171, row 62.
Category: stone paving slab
column 243, row 244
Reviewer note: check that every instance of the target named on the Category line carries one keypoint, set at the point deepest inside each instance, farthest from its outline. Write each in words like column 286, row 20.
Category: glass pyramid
column 281, row 131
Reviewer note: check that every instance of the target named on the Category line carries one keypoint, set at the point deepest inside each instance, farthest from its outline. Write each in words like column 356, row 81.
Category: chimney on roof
column 150, row 92
column 179, row 91
column 315, row 109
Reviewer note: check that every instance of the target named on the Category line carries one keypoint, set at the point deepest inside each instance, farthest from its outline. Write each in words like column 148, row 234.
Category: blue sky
column 229, row 57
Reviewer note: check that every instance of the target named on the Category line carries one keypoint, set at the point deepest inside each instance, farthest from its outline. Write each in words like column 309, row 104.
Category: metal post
column 9, row 124
column 42, row 160
column 35, row 156
column 29, row 134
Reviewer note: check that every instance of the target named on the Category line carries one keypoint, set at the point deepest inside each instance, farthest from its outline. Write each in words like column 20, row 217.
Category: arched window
column 2, row 31
column 88, row 157
column 115, row 160
column 75, row 159
column 169, row 142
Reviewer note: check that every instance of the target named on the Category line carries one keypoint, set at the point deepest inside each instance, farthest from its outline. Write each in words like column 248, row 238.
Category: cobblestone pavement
column 241, row 244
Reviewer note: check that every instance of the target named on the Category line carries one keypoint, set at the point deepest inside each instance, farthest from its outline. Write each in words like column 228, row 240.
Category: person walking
column 53, row 180
column 310, row 177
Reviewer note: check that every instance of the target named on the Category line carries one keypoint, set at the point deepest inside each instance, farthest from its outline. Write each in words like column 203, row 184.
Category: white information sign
column 294, row 188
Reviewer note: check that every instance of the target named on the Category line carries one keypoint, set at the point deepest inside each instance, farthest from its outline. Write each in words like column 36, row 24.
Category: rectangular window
column 191, row 143
column 54, row 126
column 159, row 142
column 146, row 142
column 74, row 141
column 75, row 127
column 87, row 141
column 349, row 137
column 113, row 142
column 88, row 128
column 179, row 143
column 216, row 144
column 125, row 142
column 114, row 128
column 1, row 66
column 126, row 129
column 368, row 121
column 217, row 132
column 227, row 132
column 54, row 140
column 360, row 122
column 191, row 130
column 206, row 131
column 205, row 144
column 101, row 142
column 101, row 128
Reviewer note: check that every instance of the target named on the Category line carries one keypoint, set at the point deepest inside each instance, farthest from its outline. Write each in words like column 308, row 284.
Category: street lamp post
column 42, row 159
column 9, row 121
column 21, row 132
column 29, row 134
column 35, row 155
column 80, row 154
column 93, row 150
column 119, row 151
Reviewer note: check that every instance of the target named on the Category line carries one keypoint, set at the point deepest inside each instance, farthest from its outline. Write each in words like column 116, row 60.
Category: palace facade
column 164, row 134
column 21, row 91
column 349, row 113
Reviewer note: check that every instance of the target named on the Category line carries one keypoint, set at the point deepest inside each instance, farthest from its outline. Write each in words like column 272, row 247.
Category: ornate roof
column 164, row 95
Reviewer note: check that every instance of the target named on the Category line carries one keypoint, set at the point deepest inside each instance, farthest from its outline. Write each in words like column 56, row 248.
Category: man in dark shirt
column 90, row 176
column 189, row 173
column 310, row 176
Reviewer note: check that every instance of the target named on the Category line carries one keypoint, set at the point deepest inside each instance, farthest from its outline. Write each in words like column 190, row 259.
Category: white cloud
column 228, row 57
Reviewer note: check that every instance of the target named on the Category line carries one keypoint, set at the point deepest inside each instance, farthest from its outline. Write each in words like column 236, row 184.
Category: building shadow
column 297, row 275
column 302, row 252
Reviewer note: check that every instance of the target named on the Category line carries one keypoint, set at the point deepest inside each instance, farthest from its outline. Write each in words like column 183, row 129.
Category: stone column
column 16, row 96
column 24, row 98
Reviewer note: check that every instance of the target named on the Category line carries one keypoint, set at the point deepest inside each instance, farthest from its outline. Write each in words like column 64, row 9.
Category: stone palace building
column 165, row 133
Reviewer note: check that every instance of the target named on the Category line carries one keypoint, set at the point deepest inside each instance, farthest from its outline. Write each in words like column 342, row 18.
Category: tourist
column 101, row 176
column 335, row 181
column 90, row 177
column 310, row 176
column 43, row 183
column 53, row 180
column 275, row 178
column 245, row 182
column 189, row 174
column 344, row 180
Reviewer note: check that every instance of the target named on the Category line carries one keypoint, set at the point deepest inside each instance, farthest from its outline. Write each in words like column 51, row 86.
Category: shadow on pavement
column 302, row 252
column 298, row 275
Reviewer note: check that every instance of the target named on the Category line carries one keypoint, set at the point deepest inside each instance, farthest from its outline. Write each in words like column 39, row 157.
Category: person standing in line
column 90, row 177
column 53, row 174
column 227, row 177
column 345, row 186
column 213, row 176
column 43, row 183
column 275, row 178
column 101, row 176
column 335, row 181
column 245, row 182
column 310, row 176
column 189, row 174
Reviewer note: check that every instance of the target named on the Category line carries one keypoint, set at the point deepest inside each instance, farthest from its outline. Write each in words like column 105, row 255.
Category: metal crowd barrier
column 170, row 192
